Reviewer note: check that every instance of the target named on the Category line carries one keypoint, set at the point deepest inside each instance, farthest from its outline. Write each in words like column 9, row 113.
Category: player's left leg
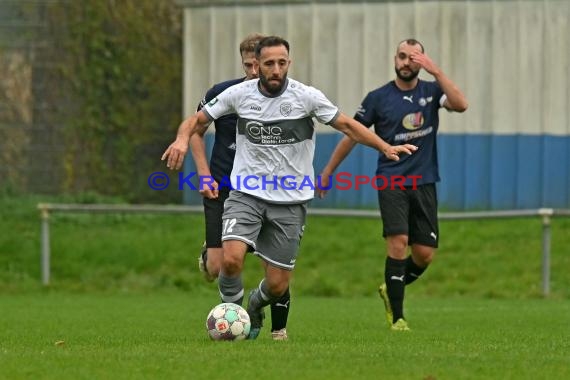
column 278, row 245
column 280, row 314
column 418, row 261
column 424, row 231
column 270, row 290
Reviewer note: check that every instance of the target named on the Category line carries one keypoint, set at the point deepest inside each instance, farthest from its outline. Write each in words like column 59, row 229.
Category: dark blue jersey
column 224, row 149
column 406, row 117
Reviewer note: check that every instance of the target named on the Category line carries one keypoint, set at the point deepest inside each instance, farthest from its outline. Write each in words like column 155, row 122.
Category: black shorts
column 213, row 210
column 411, row 212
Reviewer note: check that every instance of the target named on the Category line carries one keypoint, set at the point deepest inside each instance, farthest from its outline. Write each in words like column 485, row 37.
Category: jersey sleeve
column 365, row 112
column 321, row 107
column 222, row 104
column 210, row 94
column 439, row 94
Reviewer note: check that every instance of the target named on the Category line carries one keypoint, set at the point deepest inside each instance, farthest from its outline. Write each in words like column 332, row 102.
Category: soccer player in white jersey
column 273, row 177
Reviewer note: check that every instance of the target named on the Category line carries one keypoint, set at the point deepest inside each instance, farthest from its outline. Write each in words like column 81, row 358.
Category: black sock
column 413, row 271
column 280, row 311
column 394, row 275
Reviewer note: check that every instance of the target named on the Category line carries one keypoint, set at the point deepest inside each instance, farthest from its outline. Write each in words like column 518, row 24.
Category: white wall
column 511, row 58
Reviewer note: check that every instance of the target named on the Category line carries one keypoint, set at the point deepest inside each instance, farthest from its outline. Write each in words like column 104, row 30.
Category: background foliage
column 102, row 89
column 122, row 62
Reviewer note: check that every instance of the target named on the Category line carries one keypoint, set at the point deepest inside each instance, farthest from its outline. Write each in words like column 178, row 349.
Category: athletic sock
column 261, row 297
column 394, row 275
column 231, row 289
column 280, row 311
column 413, row 271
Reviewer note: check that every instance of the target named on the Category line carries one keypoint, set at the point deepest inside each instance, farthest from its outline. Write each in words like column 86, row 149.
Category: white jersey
column 275, row 138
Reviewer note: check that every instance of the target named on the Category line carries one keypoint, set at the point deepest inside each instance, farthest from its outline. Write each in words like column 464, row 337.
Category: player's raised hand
column 425, row 62
column 394, row 151
column 174, row 154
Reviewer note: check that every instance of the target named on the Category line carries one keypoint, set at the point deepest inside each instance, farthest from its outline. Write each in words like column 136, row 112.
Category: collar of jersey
column 270, row 95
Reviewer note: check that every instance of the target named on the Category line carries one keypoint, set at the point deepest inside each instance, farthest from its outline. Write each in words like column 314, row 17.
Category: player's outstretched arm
column 343, row 148
column 359, row 133
column 174, row 154
column 198, row 150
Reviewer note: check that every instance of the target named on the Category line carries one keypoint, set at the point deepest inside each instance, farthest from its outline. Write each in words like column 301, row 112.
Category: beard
column 409, row 77
column 270, row 87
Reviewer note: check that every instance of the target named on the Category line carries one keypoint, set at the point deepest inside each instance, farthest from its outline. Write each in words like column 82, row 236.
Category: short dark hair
column 268, row 42
column 412, row 42
column 249, row 43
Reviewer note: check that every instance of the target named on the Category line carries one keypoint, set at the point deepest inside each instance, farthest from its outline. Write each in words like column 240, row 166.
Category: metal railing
column 546, row 214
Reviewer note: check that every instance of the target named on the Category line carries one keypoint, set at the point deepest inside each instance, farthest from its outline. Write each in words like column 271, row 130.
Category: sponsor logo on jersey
column 255, row 107
column 409, row 98
column 413, row 121
column 263, row 134
column 413, row 135
column 278, row 132
column 212, row 102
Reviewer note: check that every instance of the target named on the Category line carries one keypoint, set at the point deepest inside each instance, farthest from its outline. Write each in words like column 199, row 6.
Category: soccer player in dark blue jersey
column 405, row 110
column 220, row 168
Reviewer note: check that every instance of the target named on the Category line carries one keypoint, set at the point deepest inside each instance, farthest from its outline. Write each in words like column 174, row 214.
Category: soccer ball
column 228, row 321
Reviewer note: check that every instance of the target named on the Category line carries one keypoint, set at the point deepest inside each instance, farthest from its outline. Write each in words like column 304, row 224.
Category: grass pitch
column 61, row 335
column 126, row 301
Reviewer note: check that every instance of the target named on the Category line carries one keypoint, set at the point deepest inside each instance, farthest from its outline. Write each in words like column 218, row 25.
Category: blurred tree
column 121, row 67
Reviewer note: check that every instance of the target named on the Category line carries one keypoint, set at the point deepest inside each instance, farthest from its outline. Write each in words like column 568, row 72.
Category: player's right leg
column 241, row 223
column 383, row 291
column 229, row 280
column 394, row 208
column 395, row 274
column 211, row 255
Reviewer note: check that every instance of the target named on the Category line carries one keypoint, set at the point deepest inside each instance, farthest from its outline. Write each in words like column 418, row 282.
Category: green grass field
column 162, row 335
column 127, row 301
column 338, row 257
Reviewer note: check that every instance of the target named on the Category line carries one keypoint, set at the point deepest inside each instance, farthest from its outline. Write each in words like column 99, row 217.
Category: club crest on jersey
column 413, row 121
column 286, row 109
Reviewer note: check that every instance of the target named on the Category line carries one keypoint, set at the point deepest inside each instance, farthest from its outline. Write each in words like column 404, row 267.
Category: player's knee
column 426, row 260
column 277, row 288
column 424, row 256
column 397, row 246
column 232, row 265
